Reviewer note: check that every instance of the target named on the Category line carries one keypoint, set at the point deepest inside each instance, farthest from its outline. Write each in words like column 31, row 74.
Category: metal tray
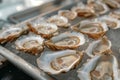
column 28, row 63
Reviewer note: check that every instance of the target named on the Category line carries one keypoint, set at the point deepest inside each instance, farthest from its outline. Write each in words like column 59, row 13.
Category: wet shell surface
column 94, row 29
column 68, row 14
column 98, row 47
column 10, row 33
column 111, row 22
column 44, row 29
column 60, row 61
column 101, row 67
column 67, row 40
column 60, row 21
column 98, row 7
column 31, row 43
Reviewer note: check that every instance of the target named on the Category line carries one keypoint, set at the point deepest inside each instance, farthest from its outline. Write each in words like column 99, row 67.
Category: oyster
column 44, row 29
column 115, row 14
column 68, row 14
column 60, row 61
column 67, row 40
column 31, row 43
column 111, row 22
column 10, row 33
column 60, row 21
column 98, row 7
column 94, row 29
column 99, row 46
column 111, row 3
column 101, row 67
column 84, row 11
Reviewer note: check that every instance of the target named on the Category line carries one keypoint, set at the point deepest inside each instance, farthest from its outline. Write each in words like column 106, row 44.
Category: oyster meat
column 83, row 10
column 94, row 28
column 10, row 33
column 101, row 67
column 98, row 7
column 31, row 43
column 60, row 21
column 111, row 22
column 44, row 29
column 67, row 40
column 60, row 61
column 111, row 3
column 99, row 46
column 68, row 14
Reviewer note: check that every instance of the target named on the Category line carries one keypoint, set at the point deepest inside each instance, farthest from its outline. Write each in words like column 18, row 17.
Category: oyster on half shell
column 44, row 29
column 60, row 61
column 60, row 21
column 31, row 43
column 10, row 33
column 99, row 46
column 115, row 14
column 111, row 22
column 68, row 14
column 98, row 7
column 67, row 40
column 100, row 67
column 94, row 29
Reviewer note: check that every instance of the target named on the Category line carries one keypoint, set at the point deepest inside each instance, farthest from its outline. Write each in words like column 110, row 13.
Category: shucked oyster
column 44, row 29
column 84, row 11
column 115, row 14
column 68, row 14
column 31, row 43
column 10, row 33
column 98, row 7
column 60, row 21
column 67, row 40
column 111, row 3
column 57, row 62
column 94, row 29
column 101, row 67
column 111, row 22
column 99, row 46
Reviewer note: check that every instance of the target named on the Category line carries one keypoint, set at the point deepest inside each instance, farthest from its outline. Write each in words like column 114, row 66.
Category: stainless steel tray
column 28, row 63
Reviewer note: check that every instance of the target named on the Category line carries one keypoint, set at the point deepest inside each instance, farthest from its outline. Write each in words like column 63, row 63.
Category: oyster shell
column 111, row 22
column 60, row 21
column 115, row 14
column 67, row 40
column 84, row 11
column 111, row 3
column 60, row 61
column 98, row 7
column 68, row 14
column 94, row 28
column 44, row 29
column 99, row 46
column 31, row 43
column 10, row 33
column 101, row 67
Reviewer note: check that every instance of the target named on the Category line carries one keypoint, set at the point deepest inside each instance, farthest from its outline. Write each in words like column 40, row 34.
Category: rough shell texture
column 111, row 22
column 115, row 14
column 94, row 29
column 100, row 67
column 31, row 43
column 61, row 61
column 44, row 29
column 60, row 21
column 68, row 14
column 67, row 40
column 98, row 47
